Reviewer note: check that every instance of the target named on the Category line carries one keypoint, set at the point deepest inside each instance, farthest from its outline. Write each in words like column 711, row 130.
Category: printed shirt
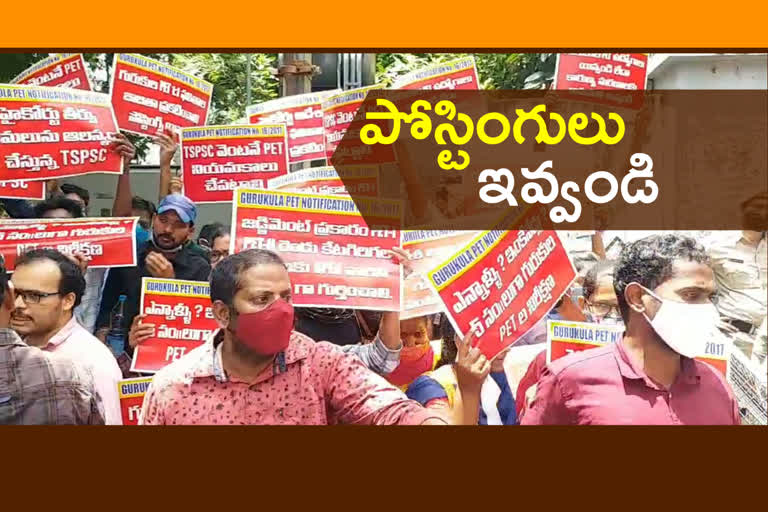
column 82, row 347
column 603, row 386
column 309, row 383
column 39, row 389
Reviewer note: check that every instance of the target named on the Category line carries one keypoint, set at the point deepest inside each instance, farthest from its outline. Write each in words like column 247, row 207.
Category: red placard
column 131, row 393
column 151, row 97
column 22, row 190
column 110, row 242
column 59, row 70
column 338, row 112
column 428, row 249
column 603, row 71
column 303, row 117
column 183, row 319
column 503, row 282
column 458, row 74
column 49, row 132
column 218, row 159
column 335, row 258
column 359, row 180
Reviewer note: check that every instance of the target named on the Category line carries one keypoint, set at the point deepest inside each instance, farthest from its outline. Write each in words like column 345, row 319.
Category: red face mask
column 268, row 331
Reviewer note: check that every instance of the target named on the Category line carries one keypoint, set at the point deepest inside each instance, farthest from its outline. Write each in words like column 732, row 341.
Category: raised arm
column 122, row 205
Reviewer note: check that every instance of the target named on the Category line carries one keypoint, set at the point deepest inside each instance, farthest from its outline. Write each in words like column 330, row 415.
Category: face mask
column 268, row 331
column 142, row 234
column 685, row 328
column 414, row 353
column 175, row 249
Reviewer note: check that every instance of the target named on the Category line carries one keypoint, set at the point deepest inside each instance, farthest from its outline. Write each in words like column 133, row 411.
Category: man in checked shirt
column 36, row 388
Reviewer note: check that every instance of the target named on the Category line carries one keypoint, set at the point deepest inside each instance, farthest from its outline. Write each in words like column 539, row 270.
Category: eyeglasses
column 603, row 309
column 34, row 297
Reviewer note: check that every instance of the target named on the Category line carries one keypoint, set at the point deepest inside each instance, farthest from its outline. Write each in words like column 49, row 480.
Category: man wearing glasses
column 49, row 286
column 665, row 287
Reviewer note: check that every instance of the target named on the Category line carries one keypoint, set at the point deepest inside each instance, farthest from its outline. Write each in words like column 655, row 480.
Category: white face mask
column 684, row 327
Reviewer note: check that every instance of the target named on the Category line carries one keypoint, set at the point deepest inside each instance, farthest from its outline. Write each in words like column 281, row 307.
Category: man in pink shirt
column 665, row 286
column 49, row 286
column 257, row 370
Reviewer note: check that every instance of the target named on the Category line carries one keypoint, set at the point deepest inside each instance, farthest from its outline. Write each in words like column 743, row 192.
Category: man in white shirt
column 49, row 286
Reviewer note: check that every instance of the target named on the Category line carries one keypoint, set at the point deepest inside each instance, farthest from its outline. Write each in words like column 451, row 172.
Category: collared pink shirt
column 603, row 386
column 310, row 383
column 82, row 347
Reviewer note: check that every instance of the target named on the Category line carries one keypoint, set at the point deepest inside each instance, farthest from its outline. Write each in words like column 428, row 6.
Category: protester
column 598, row 304
column 417, row 356
column 381, row 356
column 37, row 388
column 144, row 210
column 438, row 389
column 257, row 370
column 58, row 207
column 76, row 194
column 48, row 286
column 664, row 285
column 215, row 237
column 170, row 254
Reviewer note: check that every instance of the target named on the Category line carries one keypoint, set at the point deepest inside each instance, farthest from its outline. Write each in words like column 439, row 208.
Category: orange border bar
column 392, row 24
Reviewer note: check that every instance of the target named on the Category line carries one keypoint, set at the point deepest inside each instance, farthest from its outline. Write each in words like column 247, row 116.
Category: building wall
column 709, row 71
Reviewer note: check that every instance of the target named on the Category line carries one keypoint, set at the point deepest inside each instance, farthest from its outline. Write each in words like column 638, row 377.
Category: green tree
column 495, row 70
column 228, row 74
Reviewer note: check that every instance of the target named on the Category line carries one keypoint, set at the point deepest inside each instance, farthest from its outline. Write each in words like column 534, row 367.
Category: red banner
column 48, row 132
column 338, row 112
column 428, row 249
column 215, row 160
column 109, row 242
column 183, row 318
column 335, row 258
column 22, row 190
column 503, row 282
column 59, row 70
column 303, row 117
column 603, row 71
column 359, row 180
column 131, row 393
column 458, row 74
column 151, row 97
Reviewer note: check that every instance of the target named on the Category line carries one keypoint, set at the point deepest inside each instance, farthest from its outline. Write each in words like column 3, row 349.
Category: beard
column 166, row 242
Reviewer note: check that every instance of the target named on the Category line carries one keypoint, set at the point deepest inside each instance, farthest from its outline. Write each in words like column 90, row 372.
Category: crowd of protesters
column 271, row 363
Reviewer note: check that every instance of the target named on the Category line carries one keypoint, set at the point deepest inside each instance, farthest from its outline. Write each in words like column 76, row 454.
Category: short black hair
column 70, row 188
column 139, row 203
column 225, row 278
column 3, row 279
column 56, row 203
column 72, row 279
column 649, row 261
column 593, row 275
column 211, row 232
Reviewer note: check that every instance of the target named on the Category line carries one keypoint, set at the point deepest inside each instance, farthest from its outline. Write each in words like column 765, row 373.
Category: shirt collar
column 9, row 337
column 64, row 333
column 689, row 373
column 209, row 361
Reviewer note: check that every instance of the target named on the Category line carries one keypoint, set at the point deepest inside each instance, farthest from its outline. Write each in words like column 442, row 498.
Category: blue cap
column 184, row 208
